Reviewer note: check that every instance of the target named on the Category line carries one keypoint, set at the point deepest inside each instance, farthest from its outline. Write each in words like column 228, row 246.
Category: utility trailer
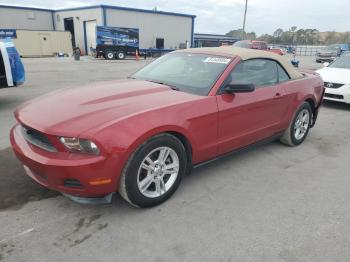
column 116, row 42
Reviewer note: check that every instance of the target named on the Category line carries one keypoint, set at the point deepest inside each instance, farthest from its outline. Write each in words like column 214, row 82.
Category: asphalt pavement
column 269, row 203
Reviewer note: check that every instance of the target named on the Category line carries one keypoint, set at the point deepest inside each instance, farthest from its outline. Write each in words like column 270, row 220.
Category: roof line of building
column 211, row 34
column 98, row 6
column 125, row 9
column 26, row 8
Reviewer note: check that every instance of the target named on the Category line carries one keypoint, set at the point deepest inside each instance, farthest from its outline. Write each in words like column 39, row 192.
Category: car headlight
column 79, row 145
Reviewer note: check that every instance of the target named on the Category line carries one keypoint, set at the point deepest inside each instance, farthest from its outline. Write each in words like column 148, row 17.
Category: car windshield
column 342, row 62
column 244, row 44
column 191, row 73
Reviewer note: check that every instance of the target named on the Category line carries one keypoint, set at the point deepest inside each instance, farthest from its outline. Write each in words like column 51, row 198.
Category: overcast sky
column 264, row 16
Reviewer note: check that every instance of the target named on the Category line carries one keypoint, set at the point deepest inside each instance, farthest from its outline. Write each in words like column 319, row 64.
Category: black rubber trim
column 315, row 112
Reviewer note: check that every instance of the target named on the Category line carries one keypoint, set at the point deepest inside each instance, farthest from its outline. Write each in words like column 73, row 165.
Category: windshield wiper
column 166, row 84
column 173, row 87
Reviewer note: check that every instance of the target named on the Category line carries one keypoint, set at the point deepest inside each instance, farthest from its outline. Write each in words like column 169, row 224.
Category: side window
column 260, row 72
column 282, row 75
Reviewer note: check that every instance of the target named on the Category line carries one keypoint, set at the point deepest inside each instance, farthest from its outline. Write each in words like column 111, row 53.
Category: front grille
column 334, row 96
column 38, row 139
column 332, row 85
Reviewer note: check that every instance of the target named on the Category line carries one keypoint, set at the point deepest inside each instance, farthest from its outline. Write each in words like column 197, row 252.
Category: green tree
column 331, row 38
column 237, row 33
column 267, row 38
column 293, row 28
column 278, row 33
column 307, row 36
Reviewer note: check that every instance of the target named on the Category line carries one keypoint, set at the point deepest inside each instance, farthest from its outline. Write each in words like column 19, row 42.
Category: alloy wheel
column 301, row 124
column 158, row 172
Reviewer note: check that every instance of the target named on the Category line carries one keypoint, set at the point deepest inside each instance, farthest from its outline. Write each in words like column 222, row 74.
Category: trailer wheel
column 121, row 55
column 109, row 55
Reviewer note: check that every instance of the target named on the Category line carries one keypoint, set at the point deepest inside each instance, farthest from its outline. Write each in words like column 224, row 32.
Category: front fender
column 163, row 129
column 197, row 121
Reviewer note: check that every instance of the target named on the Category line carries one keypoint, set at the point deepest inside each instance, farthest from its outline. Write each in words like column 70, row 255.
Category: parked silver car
column 328, row 54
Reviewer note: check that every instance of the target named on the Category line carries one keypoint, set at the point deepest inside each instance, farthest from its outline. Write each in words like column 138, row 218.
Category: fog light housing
column 79, row 145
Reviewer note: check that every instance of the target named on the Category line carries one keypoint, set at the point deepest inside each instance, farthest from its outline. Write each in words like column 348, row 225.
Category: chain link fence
column 301, row 50
column 307, row 50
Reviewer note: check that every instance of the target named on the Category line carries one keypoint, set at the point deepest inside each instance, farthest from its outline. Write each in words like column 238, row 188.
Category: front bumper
column 77, row 175
column 341, row 94
column 325, row 59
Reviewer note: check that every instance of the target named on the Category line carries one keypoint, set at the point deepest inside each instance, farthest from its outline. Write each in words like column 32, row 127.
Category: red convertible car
column 140, row 135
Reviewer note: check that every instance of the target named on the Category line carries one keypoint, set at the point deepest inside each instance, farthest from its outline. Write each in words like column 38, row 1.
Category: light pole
column 245, row 15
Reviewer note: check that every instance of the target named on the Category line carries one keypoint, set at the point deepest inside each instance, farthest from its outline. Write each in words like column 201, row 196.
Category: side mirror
column 326, row 64
column 239, row 88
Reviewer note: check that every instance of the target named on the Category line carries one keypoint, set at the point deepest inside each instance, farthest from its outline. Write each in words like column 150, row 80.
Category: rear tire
column 299, row 126
column 109, row 55
column 121, row 55
column 161, row 158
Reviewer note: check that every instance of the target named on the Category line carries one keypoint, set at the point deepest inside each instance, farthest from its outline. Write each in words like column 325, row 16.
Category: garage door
column 90, row 35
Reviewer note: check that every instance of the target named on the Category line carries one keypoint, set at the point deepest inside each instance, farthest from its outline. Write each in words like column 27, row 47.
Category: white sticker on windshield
column 218, row 60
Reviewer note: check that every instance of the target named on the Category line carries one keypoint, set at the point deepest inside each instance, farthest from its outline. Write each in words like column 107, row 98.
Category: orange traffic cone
column 137, row 55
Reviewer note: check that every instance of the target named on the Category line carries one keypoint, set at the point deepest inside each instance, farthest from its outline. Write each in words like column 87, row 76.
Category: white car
column 336, row 77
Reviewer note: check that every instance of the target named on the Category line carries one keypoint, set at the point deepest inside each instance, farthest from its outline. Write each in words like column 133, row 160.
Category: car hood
column 335, row 75
column 73, row 111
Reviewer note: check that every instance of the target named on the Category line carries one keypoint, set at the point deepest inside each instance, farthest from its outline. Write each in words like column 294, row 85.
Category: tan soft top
column 245, row 54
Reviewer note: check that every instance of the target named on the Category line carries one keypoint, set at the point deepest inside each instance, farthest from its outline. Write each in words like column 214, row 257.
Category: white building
column 157, row 29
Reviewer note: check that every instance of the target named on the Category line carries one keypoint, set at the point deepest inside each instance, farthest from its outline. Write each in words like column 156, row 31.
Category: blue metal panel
column 117, row 36
column 8, row 33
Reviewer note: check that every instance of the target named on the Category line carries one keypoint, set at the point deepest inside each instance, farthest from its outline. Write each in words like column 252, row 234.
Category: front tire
column 154, row 171
column 109, row 55
column 299, row 127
